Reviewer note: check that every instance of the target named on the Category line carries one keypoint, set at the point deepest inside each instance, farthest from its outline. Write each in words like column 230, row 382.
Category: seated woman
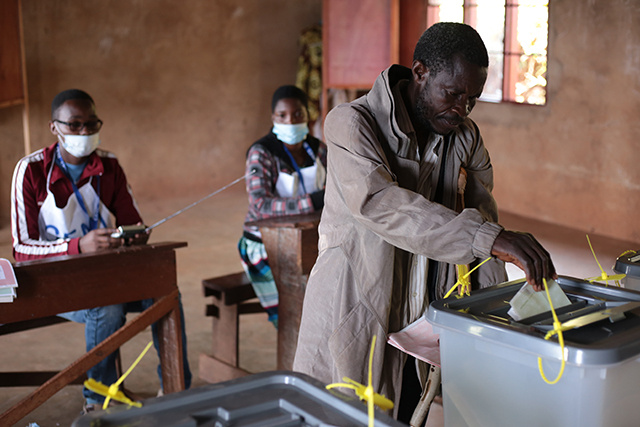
column 288, row 170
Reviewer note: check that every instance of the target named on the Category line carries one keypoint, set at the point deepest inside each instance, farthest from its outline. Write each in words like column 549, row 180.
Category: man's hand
column 523, row 250
column 97, row 240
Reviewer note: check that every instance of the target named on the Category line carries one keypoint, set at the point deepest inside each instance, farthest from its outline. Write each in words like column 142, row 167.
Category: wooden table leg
column 158, row 310
column 170, row 337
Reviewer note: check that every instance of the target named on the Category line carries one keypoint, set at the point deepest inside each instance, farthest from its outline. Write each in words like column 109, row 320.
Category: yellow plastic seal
column 557, row 330
column 463, row 279
column 366, row 393
column 112, row 392
column 604, row 276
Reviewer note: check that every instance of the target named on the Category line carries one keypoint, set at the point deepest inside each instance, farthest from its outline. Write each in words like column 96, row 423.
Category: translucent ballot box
column 269, row 399
column 629, row 264
column 490, row 374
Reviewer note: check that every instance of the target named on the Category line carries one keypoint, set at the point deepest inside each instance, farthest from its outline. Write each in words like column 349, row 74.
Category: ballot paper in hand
column 527, row 302
column 418, row 340
column 8, row 282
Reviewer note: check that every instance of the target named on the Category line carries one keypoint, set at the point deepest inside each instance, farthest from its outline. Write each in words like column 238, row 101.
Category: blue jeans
column 100, row 323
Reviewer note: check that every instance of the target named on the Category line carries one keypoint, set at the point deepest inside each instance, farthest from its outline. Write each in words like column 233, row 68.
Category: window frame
column 510, row 45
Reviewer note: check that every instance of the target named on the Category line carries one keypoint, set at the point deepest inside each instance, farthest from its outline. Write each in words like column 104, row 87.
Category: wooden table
column 292, row 248
column 57, row 285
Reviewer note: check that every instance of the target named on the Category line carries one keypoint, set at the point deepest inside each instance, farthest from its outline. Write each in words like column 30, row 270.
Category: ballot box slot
column 274, row 413
column 575, row 309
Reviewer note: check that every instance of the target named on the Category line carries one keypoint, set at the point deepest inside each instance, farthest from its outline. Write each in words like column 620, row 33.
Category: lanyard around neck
column 93, row 221
column 295, row 164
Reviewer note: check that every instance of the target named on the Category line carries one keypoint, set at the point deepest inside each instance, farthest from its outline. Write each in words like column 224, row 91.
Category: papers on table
column 527, row 302
column 418, row 340
column 8, row 282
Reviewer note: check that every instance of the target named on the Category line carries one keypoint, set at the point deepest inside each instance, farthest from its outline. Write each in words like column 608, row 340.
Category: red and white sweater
column 28, row 192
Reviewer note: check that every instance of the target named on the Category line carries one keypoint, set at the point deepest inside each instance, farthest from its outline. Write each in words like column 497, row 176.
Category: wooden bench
column 232, row 295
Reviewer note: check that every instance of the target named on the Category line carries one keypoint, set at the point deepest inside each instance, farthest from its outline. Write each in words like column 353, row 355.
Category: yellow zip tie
column 627, row 252
column 366, row 393
column 112, row 391
column 557, row 329
column 604, row 276
column 463, row 279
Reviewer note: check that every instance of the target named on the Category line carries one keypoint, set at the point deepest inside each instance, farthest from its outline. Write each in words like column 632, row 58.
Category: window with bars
column 516, row 35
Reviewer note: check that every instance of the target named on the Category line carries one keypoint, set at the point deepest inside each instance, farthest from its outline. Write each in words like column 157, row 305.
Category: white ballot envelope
column 527, row 302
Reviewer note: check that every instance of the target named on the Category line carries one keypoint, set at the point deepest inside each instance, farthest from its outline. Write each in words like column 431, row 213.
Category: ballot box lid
column 628, row 264
column 611, row 317
column 279, row 398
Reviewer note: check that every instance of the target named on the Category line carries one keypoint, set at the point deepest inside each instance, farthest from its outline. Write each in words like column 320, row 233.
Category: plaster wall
column 576, row 161
column 183, row 87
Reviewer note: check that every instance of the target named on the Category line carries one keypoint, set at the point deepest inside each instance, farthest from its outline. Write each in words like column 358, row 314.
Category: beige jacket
column 373, row 219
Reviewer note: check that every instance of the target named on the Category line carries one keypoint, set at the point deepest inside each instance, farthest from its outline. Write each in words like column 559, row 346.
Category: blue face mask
column 291, row 134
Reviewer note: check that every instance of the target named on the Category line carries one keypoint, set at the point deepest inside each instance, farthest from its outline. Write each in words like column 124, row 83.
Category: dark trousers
column 411, row 391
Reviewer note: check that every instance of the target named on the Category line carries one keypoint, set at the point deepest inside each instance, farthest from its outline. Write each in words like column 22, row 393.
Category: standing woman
column 286, row 171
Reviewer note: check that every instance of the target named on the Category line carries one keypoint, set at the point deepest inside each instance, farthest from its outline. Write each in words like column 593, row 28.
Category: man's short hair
column 66, row 95
column 441, row 42
column 289, row 91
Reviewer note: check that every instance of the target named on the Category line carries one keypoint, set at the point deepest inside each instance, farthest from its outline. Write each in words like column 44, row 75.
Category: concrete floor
column 212, row 230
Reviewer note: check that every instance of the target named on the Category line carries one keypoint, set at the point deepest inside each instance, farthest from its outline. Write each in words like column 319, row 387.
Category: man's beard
column 423, row 111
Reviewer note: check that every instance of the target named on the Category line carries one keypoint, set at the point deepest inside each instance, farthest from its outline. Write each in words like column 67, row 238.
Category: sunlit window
column 516, row 34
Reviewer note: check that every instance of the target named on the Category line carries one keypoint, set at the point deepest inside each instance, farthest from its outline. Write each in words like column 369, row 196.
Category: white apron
column 71, row 221
column 313, row 177
column 288, row 185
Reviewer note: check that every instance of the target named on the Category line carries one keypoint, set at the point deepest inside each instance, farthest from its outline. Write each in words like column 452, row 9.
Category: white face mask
column 291, row 134
column 79, row 145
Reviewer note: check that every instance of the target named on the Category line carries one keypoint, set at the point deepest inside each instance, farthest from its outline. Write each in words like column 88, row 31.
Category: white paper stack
column 418, row 340
column 8, row 282
column 527, row 302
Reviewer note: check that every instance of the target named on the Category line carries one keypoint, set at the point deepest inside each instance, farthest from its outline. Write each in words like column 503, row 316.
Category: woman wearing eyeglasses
column 286, row 172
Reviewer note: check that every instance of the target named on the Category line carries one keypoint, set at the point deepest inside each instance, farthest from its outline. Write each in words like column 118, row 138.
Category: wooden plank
column 25, row 85
column 11, row 85
column 225, row 332
column 167, row 304
column 32, row 378
column 292, row 248
column 91, row 280
column 10, row 328
column 413, row 22
column 250, row 308
column 236, row 288
column 170, row 349
column 308, row 249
